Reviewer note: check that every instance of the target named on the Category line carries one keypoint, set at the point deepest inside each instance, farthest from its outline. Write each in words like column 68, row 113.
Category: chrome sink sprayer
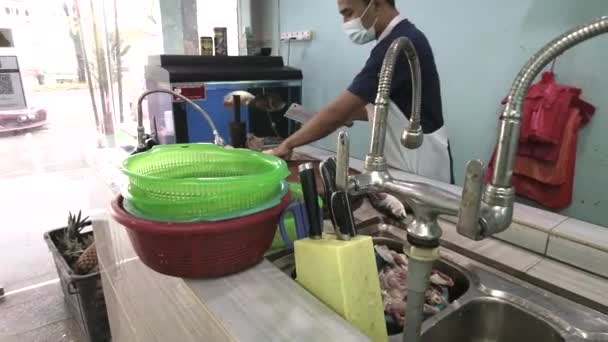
column 482, row 210
column 142, row 137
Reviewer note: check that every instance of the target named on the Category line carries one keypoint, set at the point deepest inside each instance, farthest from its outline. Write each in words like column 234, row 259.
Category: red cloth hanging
column 554, row 196
column 548, row 172
column 532, row 183
column 545, row 113
column 546, row 158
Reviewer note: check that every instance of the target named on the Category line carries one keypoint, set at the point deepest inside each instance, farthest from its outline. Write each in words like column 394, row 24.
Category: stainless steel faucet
column 482, row 210
column 427, row 202
column 500, row 192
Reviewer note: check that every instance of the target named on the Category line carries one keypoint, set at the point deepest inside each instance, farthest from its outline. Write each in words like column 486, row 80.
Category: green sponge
column 343, row 275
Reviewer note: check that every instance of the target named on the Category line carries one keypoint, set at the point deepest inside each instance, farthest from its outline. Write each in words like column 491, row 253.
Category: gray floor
column 37, row 315
column 43, row 175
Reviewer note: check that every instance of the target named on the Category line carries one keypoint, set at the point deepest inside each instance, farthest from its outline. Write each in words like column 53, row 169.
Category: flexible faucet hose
column 140, row 115
column 384, row 91
column 511, row 115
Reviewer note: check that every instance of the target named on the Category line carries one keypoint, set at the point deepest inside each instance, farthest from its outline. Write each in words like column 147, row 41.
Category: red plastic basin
column 201, row 249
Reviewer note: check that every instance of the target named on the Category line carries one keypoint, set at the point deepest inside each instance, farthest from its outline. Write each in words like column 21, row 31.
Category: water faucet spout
column 511, row 116
column 412, row 136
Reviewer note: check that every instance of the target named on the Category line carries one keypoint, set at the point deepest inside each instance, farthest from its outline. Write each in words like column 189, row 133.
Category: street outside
column 47, row 172
column 60, row 146
column 44, row 174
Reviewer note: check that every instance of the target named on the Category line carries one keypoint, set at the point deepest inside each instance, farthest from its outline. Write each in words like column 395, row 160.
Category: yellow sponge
column 343, row 275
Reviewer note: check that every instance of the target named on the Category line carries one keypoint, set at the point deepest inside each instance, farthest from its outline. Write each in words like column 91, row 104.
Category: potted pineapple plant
column 77, row 248
column 75, row 255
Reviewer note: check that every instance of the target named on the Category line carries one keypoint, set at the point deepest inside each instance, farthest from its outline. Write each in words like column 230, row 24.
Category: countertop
column 260, row 304
column 257, row 304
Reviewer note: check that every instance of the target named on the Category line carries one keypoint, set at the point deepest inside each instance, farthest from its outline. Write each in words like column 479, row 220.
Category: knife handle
column 236, row 100
column 343, row 214
column 309, row 189
column 327, row 168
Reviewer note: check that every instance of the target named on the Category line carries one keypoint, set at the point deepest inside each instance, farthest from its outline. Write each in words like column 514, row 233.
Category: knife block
column 343, row 275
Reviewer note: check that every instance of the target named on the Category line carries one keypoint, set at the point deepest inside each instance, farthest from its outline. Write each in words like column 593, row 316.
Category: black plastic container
column 83, row 294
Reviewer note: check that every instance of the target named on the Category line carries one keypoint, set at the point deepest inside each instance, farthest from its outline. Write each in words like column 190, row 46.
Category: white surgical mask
column 355, row 30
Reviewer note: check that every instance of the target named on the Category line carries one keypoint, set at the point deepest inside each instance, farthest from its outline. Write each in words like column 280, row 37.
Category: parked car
column 20, row 120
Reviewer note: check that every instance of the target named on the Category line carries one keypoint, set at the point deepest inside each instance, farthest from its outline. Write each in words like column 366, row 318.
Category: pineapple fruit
column 87, row 261
column 77, row 248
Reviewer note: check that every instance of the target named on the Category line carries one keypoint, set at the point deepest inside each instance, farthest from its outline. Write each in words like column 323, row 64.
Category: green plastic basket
column 188, row 211
column 202, row 180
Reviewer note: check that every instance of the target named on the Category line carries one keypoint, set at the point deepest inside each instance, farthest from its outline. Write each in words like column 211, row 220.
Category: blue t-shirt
column 365, row 84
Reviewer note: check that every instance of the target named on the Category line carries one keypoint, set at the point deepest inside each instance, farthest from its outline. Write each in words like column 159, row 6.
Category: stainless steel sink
column 489, row 306
column 490, row 319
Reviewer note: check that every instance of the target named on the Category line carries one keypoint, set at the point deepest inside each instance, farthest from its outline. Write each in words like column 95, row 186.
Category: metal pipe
column 420, row 264
column 140, row 116
column 508, row 138
column 383, row 97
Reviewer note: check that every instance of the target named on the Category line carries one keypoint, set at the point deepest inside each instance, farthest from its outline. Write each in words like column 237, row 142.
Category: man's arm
column 347, row 107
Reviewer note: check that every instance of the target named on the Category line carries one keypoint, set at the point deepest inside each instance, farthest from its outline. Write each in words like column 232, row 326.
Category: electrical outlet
column 297, row 35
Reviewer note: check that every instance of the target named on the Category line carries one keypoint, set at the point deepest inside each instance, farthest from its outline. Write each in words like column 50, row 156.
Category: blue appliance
column 207, row 80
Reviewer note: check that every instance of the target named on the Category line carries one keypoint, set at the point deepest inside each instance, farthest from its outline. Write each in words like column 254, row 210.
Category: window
column 213, row 14
column 6, row 38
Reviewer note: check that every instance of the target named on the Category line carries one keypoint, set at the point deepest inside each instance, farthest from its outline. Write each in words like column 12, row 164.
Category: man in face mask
column 364, row 22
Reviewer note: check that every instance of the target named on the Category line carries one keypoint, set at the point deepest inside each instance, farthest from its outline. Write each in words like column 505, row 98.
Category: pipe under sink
column 487, row 306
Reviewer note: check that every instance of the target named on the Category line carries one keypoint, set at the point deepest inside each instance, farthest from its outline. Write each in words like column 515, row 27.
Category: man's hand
column 281, row 151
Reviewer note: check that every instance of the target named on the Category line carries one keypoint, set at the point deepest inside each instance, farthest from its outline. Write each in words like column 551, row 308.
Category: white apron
column 430, row 160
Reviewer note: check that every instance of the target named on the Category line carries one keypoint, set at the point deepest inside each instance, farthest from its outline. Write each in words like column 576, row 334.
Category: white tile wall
column 504, row 253
column 585, row 257
column 523, row 236
column 581, row 244
column 584, row 233
column 537, row 218
column 572, row 279
column 508, row 255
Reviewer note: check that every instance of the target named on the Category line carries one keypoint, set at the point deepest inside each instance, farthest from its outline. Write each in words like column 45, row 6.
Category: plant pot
column 83, row 294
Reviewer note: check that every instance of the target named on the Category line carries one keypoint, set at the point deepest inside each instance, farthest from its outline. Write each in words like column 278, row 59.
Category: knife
column 309, row 189
column 340, row 200
column 341, row 212
column 327, row 169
